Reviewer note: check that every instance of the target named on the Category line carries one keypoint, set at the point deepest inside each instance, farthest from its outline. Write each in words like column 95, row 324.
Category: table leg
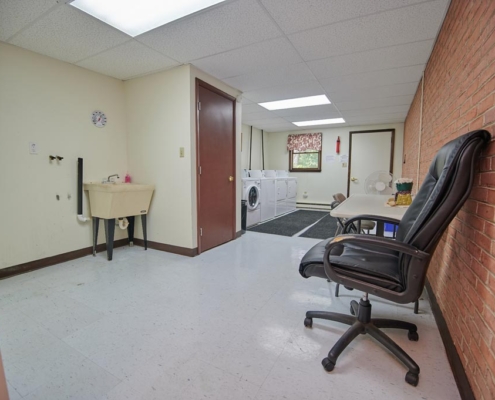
column 96, row 225
column 145, row 234
column 130, row 230
column 109, row 233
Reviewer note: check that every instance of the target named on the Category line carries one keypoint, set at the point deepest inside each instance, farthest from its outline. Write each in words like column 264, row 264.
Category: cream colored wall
column 320, row 186
column 197, row 73
column 158, row 119
column 50, row 102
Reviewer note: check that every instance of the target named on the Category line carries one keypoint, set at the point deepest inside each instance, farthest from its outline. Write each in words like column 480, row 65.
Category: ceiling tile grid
column 220, row 29
column 128, row 60
column 373, row 60
column 291, row 91
column 404, row 25
column 374, row 78
column 69, row 34
column 366, row 56
column 17, row 14
column 296, row 15
column 252, row 58
column 292, row 73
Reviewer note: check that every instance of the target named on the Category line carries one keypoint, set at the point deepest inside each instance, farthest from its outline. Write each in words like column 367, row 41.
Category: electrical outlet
column 181, row 152
column 33, row 148
column 344, row 165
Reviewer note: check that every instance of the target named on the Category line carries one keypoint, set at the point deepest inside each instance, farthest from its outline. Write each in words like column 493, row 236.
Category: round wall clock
column 99, row 119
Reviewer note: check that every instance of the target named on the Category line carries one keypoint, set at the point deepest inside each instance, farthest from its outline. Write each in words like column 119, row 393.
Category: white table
column 370, row 204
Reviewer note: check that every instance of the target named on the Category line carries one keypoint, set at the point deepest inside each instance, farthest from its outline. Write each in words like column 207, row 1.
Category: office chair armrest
column 382, row 242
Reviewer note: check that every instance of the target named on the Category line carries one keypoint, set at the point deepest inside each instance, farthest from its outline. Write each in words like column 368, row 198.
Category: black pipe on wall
column 262, row 150
column 79, row 186
column 250, row 146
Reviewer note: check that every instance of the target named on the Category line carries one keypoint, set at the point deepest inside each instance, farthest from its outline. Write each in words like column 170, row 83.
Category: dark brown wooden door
column 216, row 166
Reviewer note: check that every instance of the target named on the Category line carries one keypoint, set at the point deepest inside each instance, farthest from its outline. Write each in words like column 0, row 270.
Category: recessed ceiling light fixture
column 320, row 122
column 295, row 103
column 135, row 17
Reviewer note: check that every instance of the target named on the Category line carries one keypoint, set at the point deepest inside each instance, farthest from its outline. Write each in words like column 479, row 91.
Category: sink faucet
column 109, row 179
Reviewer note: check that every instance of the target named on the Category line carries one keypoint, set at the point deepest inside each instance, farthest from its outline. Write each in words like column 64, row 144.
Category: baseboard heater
column 313, row 205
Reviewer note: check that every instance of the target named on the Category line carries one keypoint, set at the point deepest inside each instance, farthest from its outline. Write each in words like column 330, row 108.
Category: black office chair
column 395, row 269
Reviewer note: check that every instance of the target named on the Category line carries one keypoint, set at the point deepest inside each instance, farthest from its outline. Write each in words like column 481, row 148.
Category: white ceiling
column 367, row 56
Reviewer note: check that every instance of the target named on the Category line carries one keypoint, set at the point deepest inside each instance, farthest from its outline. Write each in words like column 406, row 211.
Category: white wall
column 320, row 186
column 50, row 102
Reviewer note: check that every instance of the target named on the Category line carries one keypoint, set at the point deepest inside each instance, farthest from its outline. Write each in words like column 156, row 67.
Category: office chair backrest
column 339, row 197
column 446, row 187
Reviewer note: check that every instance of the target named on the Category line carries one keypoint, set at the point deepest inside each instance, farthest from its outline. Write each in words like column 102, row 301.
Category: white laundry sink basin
column 119, row 199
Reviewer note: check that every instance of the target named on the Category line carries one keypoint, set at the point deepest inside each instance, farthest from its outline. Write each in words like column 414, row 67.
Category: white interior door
column 370, row 151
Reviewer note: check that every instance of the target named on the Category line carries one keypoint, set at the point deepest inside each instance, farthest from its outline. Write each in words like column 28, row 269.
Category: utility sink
column 118, row 200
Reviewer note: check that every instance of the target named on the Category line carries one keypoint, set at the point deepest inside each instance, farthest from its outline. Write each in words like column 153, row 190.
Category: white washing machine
column 268, row 195
column 251, row 192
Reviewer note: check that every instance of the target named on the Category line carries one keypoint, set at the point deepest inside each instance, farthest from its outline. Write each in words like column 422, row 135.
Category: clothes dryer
column 268, row 195
column 281, row 207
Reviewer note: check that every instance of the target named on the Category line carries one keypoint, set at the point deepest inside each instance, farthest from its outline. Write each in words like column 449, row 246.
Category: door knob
column 231, row 178
column 353, row 179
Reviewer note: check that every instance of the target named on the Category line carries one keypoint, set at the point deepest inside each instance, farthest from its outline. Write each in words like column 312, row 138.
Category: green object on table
column 404, row 187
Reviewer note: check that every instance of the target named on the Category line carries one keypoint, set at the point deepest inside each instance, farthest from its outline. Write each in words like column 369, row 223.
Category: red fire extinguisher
column 337, row 149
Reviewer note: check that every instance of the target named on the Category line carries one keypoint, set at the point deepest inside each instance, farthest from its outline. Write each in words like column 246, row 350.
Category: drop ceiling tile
column 69, row 34
column 377, row 119
column 222, row 28
column 128, row 60
column 361, row 94
column 264, row 114
column 371, row 103
column 251, row 108
column 263, row 121
column 296, row 15
column 373, row 60
column 292, row 91
column 314, row 112
column 282, row 75
column 404, row 25
column 259, row 56
column 16, row 14
column 376, row 111
column 374, row 78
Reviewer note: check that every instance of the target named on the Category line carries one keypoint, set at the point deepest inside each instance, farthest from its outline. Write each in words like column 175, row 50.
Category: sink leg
column 109, row 233
column 130, row 230
column 145, row 234
column 96, row 224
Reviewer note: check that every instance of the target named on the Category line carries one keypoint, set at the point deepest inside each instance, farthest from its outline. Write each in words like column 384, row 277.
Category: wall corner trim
column 455, row 362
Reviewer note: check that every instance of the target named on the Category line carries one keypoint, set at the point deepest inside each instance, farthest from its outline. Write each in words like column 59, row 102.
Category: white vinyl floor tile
column 227, row 324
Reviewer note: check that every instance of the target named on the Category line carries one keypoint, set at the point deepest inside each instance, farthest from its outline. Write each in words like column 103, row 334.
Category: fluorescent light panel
column 320, row 122
column 295, row 103
column 135, row 17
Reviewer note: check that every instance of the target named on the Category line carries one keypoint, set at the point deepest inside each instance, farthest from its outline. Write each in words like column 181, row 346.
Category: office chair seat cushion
column 380, row 268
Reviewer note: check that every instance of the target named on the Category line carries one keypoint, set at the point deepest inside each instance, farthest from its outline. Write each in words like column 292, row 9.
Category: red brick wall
column 459, row 96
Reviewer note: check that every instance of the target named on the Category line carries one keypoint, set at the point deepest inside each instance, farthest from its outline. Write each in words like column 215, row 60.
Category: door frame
column 212, row 88
column 391, row 169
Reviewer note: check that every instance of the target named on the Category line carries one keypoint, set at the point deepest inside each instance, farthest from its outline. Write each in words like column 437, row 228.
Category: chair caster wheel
column 412, row 378
column 413, row 336
column 328, row 365
column 308, row 322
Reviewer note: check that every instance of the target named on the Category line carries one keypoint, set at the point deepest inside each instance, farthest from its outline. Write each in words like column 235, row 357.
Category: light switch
column 181, row 152
column 344, row 165
column 33, row 148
